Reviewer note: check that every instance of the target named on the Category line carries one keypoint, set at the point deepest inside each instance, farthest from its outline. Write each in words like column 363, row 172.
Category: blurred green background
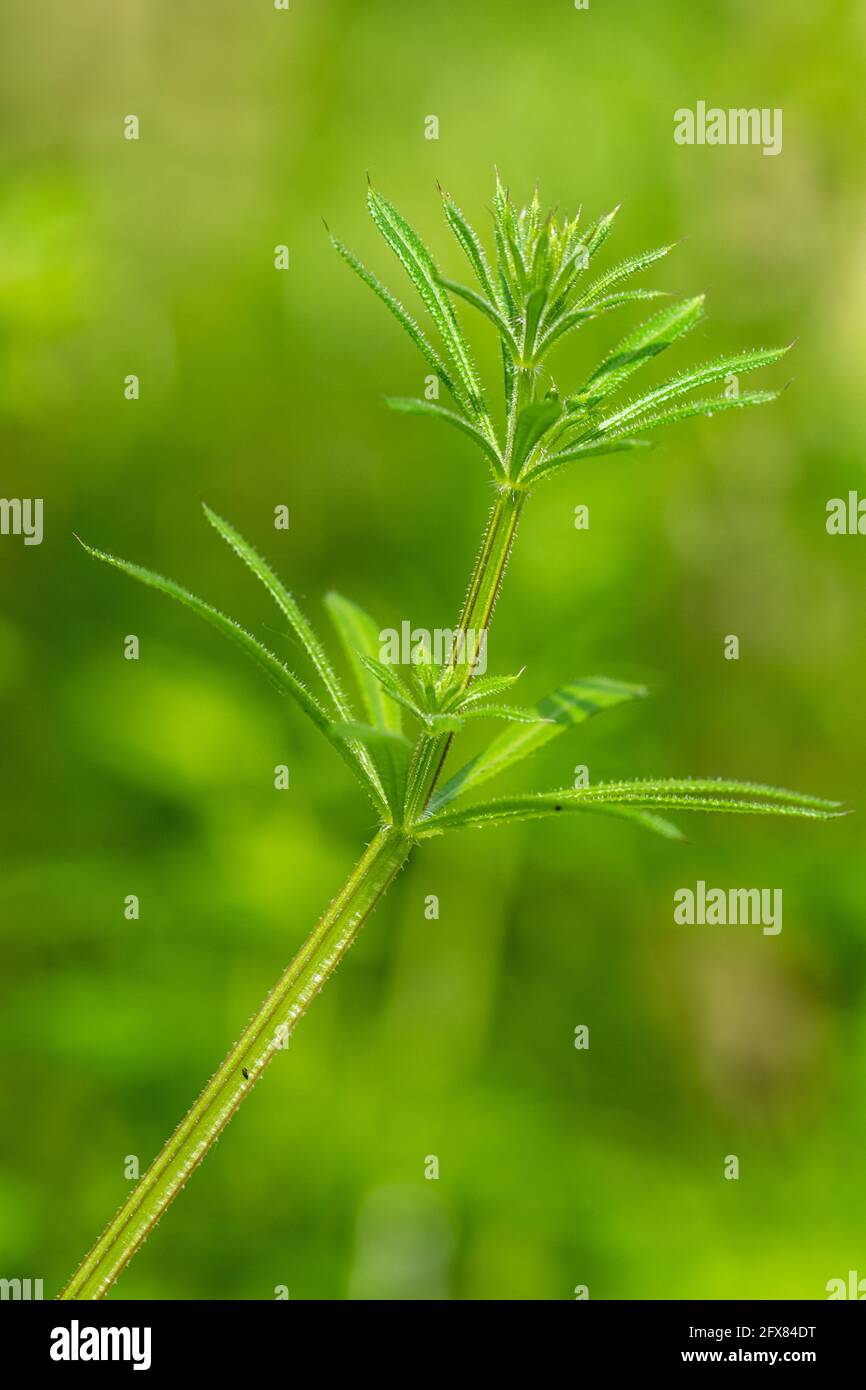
column 451, row 1037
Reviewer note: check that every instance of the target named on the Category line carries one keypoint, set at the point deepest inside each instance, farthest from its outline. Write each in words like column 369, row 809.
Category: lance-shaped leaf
column 514, row 243
column 473, row 249
column 485, row 686
column 411, row 405
column 280, row 676
column 513, row 714
column 573, row 258
column 360, row 637
column 573, row 318
column 512, row 272
column 634, row 412
column 649, row 820
column 708, row 406
column 612, row 442
column 620, row 297
column 571, row 704
column 391, row 754
column 531, row 319
column 535, row 806
column 638, row 346
column 422, row 679
column 707, row 795
column 547, row 467
column 533, row 422
column 288, row 606
column 599, row 232
column 633, row 266
column 510, row 292
column 300, row 625
column 530, row 219
column 421, row 269
column 404, row 318
column 509, row 378
column 486, row 308
column 718, row 789
column 391, row 682
column 578, row 254
column 544, row 245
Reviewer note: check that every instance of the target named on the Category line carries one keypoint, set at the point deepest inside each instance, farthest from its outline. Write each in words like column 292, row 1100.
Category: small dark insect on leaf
column 246, row 1073
column 557, row 808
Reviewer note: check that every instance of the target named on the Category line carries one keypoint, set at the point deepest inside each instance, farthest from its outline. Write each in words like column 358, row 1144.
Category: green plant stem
column 481, row 596
column 265, row 1036
column 318, row 958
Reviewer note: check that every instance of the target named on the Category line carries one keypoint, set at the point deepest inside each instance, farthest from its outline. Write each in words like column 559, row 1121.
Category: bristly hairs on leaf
column 533, row 290
column 538, row 285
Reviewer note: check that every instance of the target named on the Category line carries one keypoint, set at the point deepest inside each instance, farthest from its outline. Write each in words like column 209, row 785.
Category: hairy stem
column 318, row 958
column 265, row 1036
column 481, row 596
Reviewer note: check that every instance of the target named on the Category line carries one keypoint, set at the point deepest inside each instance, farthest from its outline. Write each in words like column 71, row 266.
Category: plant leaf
column 570, row 704
column 299, row 623
column 511, row 270
column 512, row 713
column 534, row 308
column 634, row 411
column 708, row 405
column 279, row 674
column 505, row 809
column 600, row 231
column 473, row 249
column 533, row 422
column 633, row 266
column 484, row 307
column 649, row 820
column 638, row 346
column 562, row 325
column 411, row 405
column 515, row 247
column 613, row 301
column 421, row 269
column 572, row 318
column 359, row 636
column 485, row 686
column 712, row 789
column 390, row 753
column 391, row 682
column 578, row 254
column 744, row 798
column 403, row 318
column 611, row 444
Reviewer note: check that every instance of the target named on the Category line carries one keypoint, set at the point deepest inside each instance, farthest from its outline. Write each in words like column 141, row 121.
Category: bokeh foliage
column 453, row 1037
